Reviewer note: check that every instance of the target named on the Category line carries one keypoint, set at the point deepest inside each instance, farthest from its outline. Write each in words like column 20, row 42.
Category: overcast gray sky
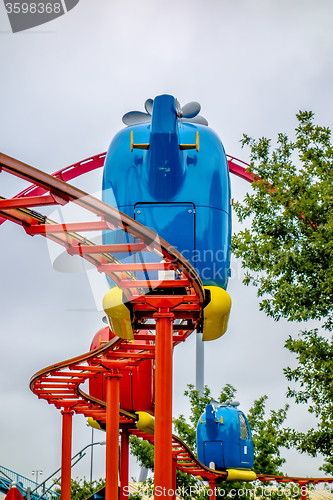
column 252, row 64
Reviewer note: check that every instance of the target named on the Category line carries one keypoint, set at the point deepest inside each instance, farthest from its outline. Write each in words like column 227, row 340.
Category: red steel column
column 174, row 477
column 66, row 454
column 163, row 404
column 112, row 435
column 304, row 489
column 124, row 459
column 212, row 486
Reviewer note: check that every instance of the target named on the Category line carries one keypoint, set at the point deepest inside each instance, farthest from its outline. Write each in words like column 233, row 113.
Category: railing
column 38, row 491
column 27, row 487
column 46, row 492
column 21, row 480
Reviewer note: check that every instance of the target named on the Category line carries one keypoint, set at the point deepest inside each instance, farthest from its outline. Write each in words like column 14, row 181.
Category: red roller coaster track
column 59, row 384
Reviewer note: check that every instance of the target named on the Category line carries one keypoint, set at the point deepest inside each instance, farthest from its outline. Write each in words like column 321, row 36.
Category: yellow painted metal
column 241, row 475
column 146, row 422
column 93, row 423
column 191, row 146
column 118, row 314
column 216, row 313
column 137, row 146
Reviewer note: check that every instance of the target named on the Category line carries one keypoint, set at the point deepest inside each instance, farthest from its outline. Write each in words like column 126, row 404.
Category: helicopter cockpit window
column 244, row 433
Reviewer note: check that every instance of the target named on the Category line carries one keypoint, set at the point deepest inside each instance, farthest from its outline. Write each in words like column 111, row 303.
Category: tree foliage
column 268, row 437
column 187, row 430
column 287, row 252
column 143, row 451
column 314, row 374
column 82, row 489
column 267, row 433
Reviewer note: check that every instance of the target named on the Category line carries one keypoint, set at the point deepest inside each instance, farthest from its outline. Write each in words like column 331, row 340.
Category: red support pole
column 66, row 454
column 174, row 477
column 212, row 486
column 163, row 404
column 304, row 490
column 112, row 435
column 124, row 459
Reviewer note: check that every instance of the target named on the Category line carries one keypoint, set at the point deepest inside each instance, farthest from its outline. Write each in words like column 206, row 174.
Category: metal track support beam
column 163, row 403
column 66, row 455
column 112, row 434
column 212, row 487
column 124, row 463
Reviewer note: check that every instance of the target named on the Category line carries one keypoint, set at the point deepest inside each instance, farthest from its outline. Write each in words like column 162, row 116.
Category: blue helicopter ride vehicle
column 168, row 170
column 224, row 441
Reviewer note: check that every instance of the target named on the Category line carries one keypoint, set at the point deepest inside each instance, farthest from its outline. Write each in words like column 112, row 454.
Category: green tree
column 314, row 374
column 267, row 433
column 287, row 252
column 143, row 451
column 187, row 430
column 82, row 489
column 268, row 437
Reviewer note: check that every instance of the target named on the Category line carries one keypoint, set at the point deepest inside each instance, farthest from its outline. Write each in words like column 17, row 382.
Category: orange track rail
column 59, row 384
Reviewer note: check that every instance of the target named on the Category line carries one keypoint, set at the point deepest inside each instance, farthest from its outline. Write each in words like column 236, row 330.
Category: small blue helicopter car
column 224, row 441
column 168, row 170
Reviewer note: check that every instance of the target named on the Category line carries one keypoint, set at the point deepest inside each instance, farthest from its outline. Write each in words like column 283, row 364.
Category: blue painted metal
column 157, row 186
column 7, row 477
column 224, row 437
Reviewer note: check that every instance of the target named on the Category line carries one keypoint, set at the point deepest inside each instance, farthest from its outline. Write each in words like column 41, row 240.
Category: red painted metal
column 111, row 216
column 149, row 266
column 124, row 464
column 174, row 476
column 75, row 372
column 294, row 479
column 238, row 167
column 112, row 435
column 154, row 283
column 65, row 174
column 186, row 461
column 60, row 383
column 121, row 248
column 66, row 454
column 136, row 384
column 163, row 402
column 303, row 487
column 68, row 227
column 31, row 201
column 212, row 487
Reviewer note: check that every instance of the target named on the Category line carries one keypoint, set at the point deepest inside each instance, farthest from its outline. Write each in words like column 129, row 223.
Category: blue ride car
column 168, row 170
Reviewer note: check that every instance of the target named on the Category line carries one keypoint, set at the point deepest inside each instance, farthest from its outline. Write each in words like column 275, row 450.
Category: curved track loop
column 67, row 235
column 60, row 383
column 236, row 167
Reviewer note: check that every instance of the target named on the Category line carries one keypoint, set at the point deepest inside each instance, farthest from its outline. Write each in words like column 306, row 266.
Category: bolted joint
column 113, row 373
column 164, row 313
column 67, row 411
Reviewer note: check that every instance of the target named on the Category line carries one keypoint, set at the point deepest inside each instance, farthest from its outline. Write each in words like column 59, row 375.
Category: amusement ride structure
column 159, row 294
